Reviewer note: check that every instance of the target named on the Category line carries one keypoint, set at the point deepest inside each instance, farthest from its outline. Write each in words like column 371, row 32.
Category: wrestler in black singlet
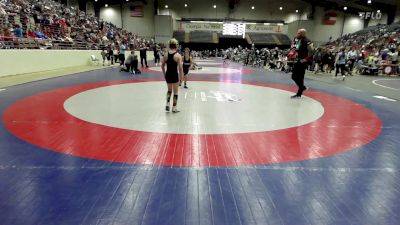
column 171, row 76
column 186, row 65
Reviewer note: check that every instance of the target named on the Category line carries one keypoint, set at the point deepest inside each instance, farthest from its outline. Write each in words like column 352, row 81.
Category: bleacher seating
column 179, row 35
column 264, row 39
column 62, row 27
column 269, row 39
column 201, row 37
column 283, row 38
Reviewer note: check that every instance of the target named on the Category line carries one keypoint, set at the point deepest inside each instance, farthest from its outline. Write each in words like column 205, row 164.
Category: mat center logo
column 218, row 96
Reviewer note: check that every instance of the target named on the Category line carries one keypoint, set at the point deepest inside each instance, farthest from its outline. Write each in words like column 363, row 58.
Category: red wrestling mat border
column 42, row 121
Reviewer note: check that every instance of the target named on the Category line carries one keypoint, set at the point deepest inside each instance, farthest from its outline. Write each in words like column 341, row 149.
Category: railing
column 36, row 43
column 19, row 43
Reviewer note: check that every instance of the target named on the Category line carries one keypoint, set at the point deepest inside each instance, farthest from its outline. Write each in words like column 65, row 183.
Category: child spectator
column 18, row 31
column 39, row 34
column 30, row 34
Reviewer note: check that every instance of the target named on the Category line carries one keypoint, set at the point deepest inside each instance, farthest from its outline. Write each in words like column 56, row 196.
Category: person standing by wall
column 156, row 54
column 143, row 55
column 115, row 53
column 318, row 61
column 122, row 49
column 341, row 63
column 303, row 50
column 110, row 54
column 352, row 57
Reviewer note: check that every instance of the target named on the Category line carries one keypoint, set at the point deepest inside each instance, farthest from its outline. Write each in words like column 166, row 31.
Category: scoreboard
column 237, row 29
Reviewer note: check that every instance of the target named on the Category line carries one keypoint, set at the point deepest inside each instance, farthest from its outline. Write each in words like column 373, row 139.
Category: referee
column 303, row 49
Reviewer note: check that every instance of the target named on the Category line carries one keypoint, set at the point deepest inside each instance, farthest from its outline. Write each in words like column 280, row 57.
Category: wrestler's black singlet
column 186, row 65
column 171, row 75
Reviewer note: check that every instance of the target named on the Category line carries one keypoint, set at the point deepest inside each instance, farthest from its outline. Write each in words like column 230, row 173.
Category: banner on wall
column 218, row 27
column 329, row 18
column 137, row 11
column 262, row 28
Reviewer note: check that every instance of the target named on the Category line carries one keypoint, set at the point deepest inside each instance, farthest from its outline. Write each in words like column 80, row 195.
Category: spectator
column 352, row 57
column 143, row 54
column 122, row 49
column 30, row 34
column 318, row 60
column 39, row 34
column 341, row 59
column 104, row 55
column 64, row 22
column 18, row 31
column 110, row 54
column 157, row 50
column 116, row 54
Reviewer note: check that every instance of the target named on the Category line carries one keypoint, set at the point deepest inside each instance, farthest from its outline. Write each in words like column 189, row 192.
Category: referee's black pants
column 299, row 70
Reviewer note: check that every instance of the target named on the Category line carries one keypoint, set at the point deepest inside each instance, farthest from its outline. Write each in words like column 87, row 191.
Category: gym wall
column 204, row 9
column 120, row 16
column 46, row 60
column 163, row 28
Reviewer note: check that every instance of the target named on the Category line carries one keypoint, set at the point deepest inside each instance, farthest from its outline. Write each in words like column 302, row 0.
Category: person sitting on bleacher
column 2, row 11
column 39, row 34
column 8, row 35
column 18, row 31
